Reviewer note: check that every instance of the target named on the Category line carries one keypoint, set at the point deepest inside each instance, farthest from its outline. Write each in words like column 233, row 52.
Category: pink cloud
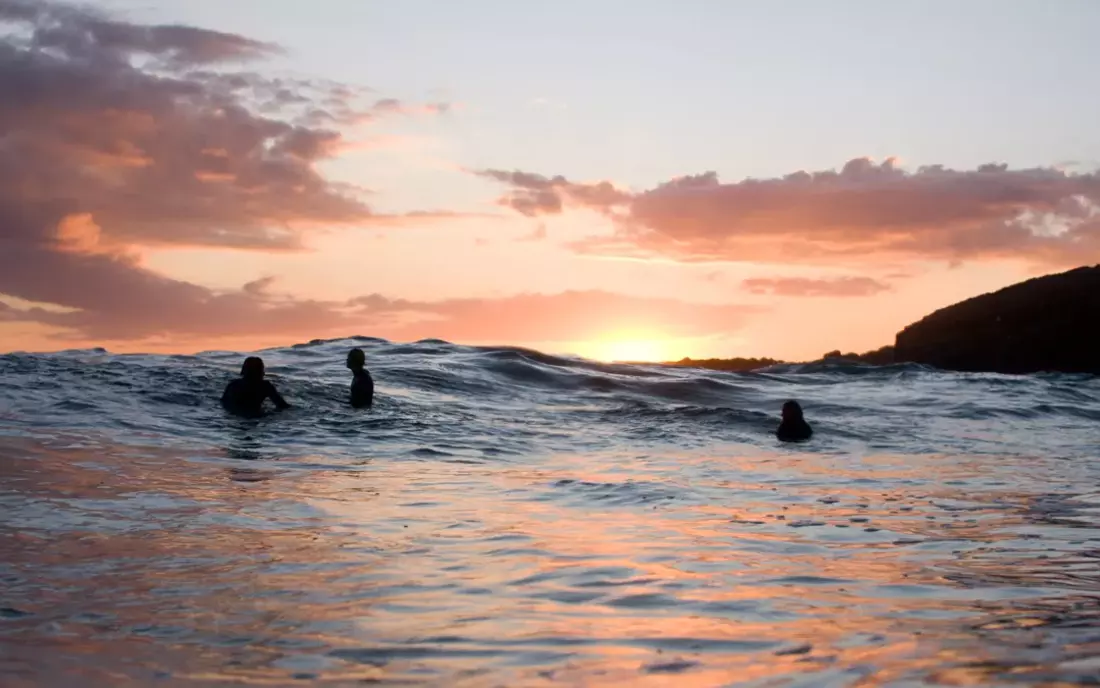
column 134, row 304
column 864, row 211
column 534, row 194
column 803, row 286
column 118, row 135
column 153, row 157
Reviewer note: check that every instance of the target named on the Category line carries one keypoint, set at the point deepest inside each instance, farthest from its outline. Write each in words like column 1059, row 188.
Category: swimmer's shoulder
column 233, row 389
column 362, row 377
column 794, row 432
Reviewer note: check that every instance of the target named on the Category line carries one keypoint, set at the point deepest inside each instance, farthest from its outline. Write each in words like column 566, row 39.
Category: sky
column 614, row 179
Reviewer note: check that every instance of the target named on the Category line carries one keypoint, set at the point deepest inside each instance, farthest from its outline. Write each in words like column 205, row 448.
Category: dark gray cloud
column 84, row 33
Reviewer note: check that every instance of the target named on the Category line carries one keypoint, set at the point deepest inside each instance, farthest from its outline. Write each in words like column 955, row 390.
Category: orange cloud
column 78, row 234
column 864, row 211
column 804, row 286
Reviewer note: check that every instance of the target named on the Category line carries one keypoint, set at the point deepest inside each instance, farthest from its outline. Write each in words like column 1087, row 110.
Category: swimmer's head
column 356, row 359
column 792, row 411
column 253, row 368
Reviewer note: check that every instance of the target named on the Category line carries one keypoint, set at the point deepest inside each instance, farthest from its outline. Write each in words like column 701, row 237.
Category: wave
column 500, row 487
column 511, row 397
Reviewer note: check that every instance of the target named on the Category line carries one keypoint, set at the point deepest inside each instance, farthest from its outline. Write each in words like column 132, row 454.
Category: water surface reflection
column 129, row 565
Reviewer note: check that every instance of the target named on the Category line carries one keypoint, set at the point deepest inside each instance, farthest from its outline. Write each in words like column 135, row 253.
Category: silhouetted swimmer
column 245, row 396
column 793, row 427
column 362, row 384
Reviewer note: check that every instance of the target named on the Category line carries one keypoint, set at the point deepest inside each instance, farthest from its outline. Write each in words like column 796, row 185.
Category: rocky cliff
column 1048, row 323
column 881, row 356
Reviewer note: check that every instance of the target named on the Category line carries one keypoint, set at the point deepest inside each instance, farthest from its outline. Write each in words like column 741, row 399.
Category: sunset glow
column 616, row 350
column 263, row 174
column 577, row 343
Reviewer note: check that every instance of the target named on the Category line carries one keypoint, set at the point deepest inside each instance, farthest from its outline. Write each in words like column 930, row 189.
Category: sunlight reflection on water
column 121, row 564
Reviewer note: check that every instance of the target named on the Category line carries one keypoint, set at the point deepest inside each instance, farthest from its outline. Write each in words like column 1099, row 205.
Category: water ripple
column 506, row 517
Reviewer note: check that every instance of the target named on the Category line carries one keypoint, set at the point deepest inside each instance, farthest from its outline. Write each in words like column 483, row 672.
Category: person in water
column 362, row 385
column 245, row 396
column 793, row 427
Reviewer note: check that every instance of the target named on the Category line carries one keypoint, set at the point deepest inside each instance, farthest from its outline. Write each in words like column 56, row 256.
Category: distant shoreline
column 880, row 356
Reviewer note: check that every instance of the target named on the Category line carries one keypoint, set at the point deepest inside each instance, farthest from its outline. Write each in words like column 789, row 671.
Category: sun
column 616, row 349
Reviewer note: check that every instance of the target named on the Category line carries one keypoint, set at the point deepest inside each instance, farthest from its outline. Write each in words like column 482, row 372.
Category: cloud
column 116, row 299
column 864, row 211
column 154, row 155
column 392, row 106
column 419, row 218
column 803, row 286
column 136, row 305
column 116, row 136
column 534, row 194
column 80, row 32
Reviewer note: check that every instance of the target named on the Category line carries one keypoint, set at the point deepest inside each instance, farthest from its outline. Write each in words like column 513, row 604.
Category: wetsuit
column 794, row 430
column 246, row 397
column 362, row 388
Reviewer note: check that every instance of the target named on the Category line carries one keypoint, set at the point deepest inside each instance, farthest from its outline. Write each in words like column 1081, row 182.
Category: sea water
column 503, row 517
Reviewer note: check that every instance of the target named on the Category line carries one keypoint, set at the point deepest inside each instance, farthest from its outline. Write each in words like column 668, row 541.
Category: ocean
column 504, row 517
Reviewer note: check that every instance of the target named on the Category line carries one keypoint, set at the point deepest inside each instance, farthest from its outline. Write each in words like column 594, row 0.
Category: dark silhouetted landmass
column 1044, row 324
column 881, row 356
column 729, row 364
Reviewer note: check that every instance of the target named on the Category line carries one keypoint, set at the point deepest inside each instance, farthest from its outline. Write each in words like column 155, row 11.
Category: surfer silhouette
column 362, row 384
column 245, row 396
column 793, row 427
